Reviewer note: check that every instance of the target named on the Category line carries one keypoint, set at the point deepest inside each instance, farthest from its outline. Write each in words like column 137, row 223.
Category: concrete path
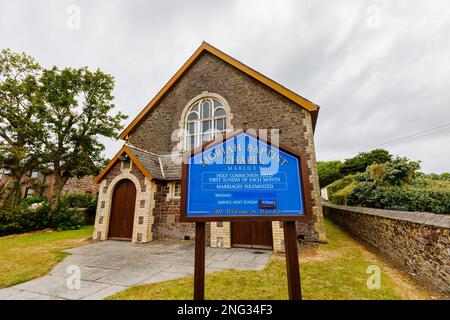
column 105, row 268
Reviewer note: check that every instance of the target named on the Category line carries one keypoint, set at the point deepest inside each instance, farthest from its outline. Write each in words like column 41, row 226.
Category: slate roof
column 171, row 167
column 161, row 167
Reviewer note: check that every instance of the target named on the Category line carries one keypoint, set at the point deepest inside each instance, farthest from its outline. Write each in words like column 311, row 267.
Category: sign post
column 245, row 178
column 292, row 267
column 199, row 263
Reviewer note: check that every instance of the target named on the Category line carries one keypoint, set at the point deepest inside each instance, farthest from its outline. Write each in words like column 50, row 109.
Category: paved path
column 112, row 266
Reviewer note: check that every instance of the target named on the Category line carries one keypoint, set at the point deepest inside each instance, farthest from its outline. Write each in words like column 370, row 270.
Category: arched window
column 205, row 119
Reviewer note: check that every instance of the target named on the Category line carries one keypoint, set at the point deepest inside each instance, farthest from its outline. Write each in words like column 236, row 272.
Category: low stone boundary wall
column 417, row 240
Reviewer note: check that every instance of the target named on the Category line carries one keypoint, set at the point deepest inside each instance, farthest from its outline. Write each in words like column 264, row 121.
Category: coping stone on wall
column 425, row 218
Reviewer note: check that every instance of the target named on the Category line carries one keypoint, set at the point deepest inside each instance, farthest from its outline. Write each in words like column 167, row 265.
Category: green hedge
column 393, row 185
column 66, row 217
column 24, row 220
column 81, row 200
column 410, row 198
column 338, row 191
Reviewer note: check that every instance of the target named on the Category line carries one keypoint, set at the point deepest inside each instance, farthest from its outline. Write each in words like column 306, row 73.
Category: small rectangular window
column 34, row 174
column 191, row 127
column 206, row 125
column 220, row 124
column 177, row 189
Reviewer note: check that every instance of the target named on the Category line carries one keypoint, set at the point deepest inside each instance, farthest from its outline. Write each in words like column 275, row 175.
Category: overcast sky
column 379, row 70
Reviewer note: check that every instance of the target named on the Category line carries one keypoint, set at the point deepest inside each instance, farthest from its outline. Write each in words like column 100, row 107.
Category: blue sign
column 243, row 176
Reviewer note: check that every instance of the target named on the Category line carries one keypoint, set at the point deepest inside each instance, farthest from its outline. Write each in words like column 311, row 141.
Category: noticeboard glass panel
column 244, row 177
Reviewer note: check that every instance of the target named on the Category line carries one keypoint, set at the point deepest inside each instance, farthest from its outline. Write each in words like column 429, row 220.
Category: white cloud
column 374, row 85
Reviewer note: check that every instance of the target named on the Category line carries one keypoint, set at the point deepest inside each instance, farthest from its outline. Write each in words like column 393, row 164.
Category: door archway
column 122, row 210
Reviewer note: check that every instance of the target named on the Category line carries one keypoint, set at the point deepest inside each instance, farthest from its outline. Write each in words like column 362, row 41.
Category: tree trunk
column 11, row 191
column 57, row 189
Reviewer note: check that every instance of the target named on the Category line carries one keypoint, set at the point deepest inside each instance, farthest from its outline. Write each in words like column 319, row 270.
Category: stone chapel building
column 140, row 189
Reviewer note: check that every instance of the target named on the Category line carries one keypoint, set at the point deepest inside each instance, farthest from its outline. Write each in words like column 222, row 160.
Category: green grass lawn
column 30, row 255
column 337, row 270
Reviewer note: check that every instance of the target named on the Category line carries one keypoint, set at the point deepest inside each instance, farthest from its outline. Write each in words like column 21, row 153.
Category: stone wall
column 166, row 215
column 419, row 241
column 249, row 100
column 145, row 202
column 81, row 185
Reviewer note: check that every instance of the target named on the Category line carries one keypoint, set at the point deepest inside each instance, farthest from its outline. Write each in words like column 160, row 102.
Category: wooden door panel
column 251, row 235
column 241, row 234
column 122, row 210
column 262, row 235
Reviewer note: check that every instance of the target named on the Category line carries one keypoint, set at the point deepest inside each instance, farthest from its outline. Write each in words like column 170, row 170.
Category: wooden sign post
column 292, row 266
column 199, row 263
column 280, row 193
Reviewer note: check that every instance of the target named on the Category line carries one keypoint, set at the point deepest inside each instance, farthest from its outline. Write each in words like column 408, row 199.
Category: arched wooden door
column 122, row 210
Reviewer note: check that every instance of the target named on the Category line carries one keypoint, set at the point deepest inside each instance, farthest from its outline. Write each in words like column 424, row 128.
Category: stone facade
column 43, row 185
column 81, row 185
column 419, row 241
column 250, row 101
column 145, row 203
column 220, row 235
column 245, row 99
column 166, row 213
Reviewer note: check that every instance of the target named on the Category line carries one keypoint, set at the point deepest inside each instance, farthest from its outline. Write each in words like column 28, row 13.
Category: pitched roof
column 133, row 158
column 205, row 47
column 149, row 161
column 171, row 166
column 153, row 166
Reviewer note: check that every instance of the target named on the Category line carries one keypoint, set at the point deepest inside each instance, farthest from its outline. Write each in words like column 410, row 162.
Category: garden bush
column 329, row 172
column 34, row 214
column 82, row 200
column 360, row 162
column 66, row 218
column 79, row 200
column 24, row 218
column 369, row 194
column 338, row 191
column 393, row 185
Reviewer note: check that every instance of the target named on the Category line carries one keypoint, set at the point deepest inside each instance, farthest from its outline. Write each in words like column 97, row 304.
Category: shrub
column 369, row 194
column 24, row 219
column 34, row 214
column 341, row 196
column 78, row 200
column 375, row 172
column 360, row 162
column 30, row 200
column 329, row 172
column 434, row 176
column 393, row 185
column 74, row 210
column 338, row 191
column 82, row 200
column 66, row 218
column 400, row 171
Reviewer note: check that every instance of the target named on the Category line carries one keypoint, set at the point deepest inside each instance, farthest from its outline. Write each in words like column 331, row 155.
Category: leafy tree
column 76, row 110
column 329, row 172
column 435, row 176
column 360, row 162
column 400, row 171
column 19, row 100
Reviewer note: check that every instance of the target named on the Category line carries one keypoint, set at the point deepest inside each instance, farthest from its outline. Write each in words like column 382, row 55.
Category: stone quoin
column 212, row 93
